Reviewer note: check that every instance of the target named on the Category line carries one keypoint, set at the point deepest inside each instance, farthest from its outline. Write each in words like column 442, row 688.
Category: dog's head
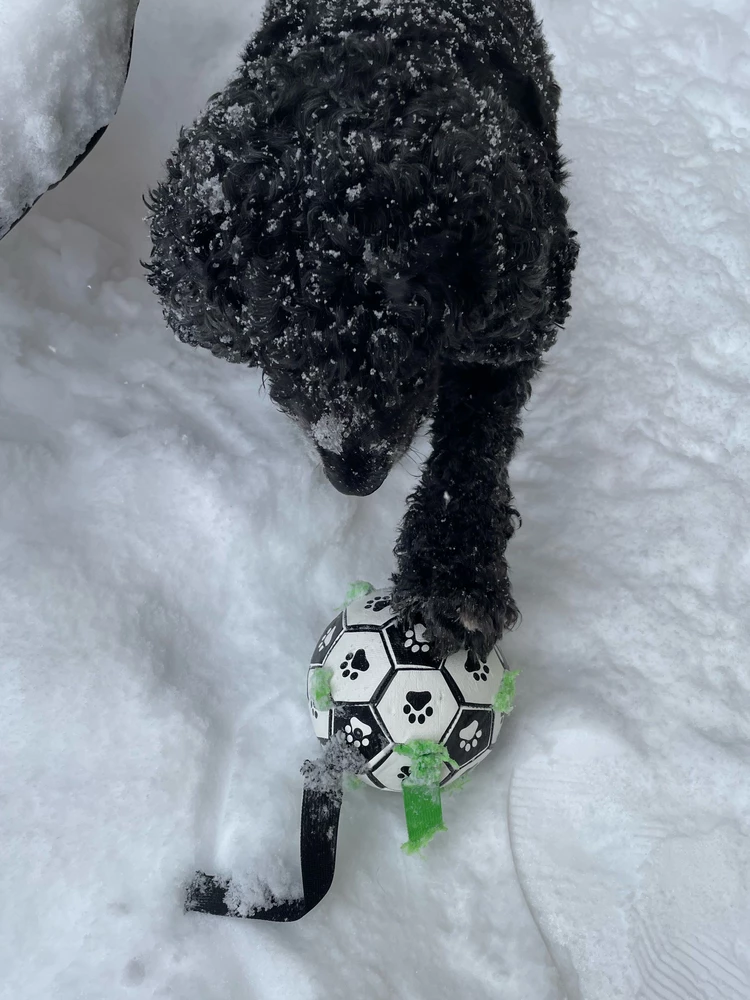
column 359, row 388
column 336, row 235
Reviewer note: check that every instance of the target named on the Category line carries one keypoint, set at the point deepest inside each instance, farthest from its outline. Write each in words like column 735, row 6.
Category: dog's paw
column 485, row 620
column 440, row 619
column 458, row 621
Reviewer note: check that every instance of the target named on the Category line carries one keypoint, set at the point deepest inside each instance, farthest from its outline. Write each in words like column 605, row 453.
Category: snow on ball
column 388, row 687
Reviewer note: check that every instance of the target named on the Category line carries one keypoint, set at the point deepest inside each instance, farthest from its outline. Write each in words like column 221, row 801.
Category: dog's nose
column 354, row 475
column 354, row 487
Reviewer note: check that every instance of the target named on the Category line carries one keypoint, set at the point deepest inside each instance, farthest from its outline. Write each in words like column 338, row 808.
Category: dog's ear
column 197, row 272
column 537, row 109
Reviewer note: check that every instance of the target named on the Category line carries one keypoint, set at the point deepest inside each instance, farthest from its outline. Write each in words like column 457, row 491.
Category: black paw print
column 354, row 664
column 313, row 710
column 405, row 772
column 415, row 703
column 380, row 603
column 475, row 666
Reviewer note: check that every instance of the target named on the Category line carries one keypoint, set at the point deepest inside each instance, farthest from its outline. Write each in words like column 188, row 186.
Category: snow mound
column 62, row 72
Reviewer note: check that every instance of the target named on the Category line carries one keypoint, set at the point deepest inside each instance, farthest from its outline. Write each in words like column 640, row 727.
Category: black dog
column 371, row 211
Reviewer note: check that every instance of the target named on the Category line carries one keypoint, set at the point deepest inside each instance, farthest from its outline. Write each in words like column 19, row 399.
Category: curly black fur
column 371, row 211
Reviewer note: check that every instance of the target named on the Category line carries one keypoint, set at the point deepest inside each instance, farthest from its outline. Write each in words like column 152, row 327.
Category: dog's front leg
column 452, row 574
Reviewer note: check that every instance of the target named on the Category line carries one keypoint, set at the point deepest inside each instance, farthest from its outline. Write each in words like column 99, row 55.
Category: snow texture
column 62, row 72
column 328, row 433
column 170, row 551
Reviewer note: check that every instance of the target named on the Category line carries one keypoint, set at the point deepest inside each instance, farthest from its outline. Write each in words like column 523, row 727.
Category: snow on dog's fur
column 371, row 211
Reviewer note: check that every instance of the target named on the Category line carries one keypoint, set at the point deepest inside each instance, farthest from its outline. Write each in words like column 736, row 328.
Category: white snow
column 61, row 76
column 328, row 433
column 170, row 552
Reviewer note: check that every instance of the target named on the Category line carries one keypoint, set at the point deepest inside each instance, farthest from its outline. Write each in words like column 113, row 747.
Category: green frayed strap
column 505, row 697
column 427, row 756
column 424, row 815
column 360, row 588
column 320, row 688
column 421, row 791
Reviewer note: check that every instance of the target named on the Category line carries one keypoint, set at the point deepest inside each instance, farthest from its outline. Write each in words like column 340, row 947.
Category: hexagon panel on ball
column 410, row 646
column 417, row 704
column 360, row 664
column 361, row 729
column 374, row 610
column 391, row 771
column 331, row 634
column 321, row 718
column 470, row 734
column 477, row 680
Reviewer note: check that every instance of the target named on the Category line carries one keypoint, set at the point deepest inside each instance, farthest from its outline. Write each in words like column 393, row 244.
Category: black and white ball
column 388, row 687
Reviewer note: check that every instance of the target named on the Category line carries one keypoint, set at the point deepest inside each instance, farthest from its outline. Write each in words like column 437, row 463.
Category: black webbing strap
column 321, row 807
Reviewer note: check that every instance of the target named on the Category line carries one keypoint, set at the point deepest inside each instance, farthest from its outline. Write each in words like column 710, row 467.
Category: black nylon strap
column 321, row 807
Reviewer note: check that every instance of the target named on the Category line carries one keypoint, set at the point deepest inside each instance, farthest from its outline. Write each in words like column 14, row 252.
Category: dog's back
column 378, row 156
column 497, row 45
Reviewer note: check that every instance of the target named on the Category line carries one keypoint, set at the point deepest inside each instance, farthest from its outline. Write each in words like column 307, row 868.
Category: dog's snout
column 354, row 473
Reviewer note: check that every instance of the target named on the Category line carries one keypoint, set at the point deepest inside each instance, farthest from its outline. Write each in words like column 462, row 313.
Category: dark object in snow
column 372, row 212
column 321, row 807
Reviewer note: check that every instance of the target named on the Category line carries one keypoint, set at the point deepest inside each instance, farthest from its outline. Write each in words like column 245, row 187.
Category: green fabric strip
column 421, row 791
column 424, row 814
column 506, row 695
column 320, row 688
column 360, row 588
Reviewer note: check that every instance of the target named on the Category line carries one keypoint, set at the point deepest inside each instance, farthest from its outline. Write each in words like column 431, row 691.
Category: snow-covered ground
column 62, row 72
column 170, row 550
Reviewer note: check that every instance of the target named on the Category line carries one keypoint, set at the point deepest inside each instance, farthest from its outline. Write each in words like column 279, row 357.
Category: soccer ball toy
column 379, row 683
column 388, row 709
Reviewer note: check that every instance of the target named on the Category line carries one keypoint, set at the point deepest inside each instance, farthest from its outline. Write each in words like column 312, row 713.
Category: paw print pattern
column 379, row 603
column 410, row 645
column 358, row 733
column 417, row 706
column 313, row 710
column 469, row 736
column 354, row 664
column 474, row 666
column 417, row 639
column 326, row 638
column 405, row 772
